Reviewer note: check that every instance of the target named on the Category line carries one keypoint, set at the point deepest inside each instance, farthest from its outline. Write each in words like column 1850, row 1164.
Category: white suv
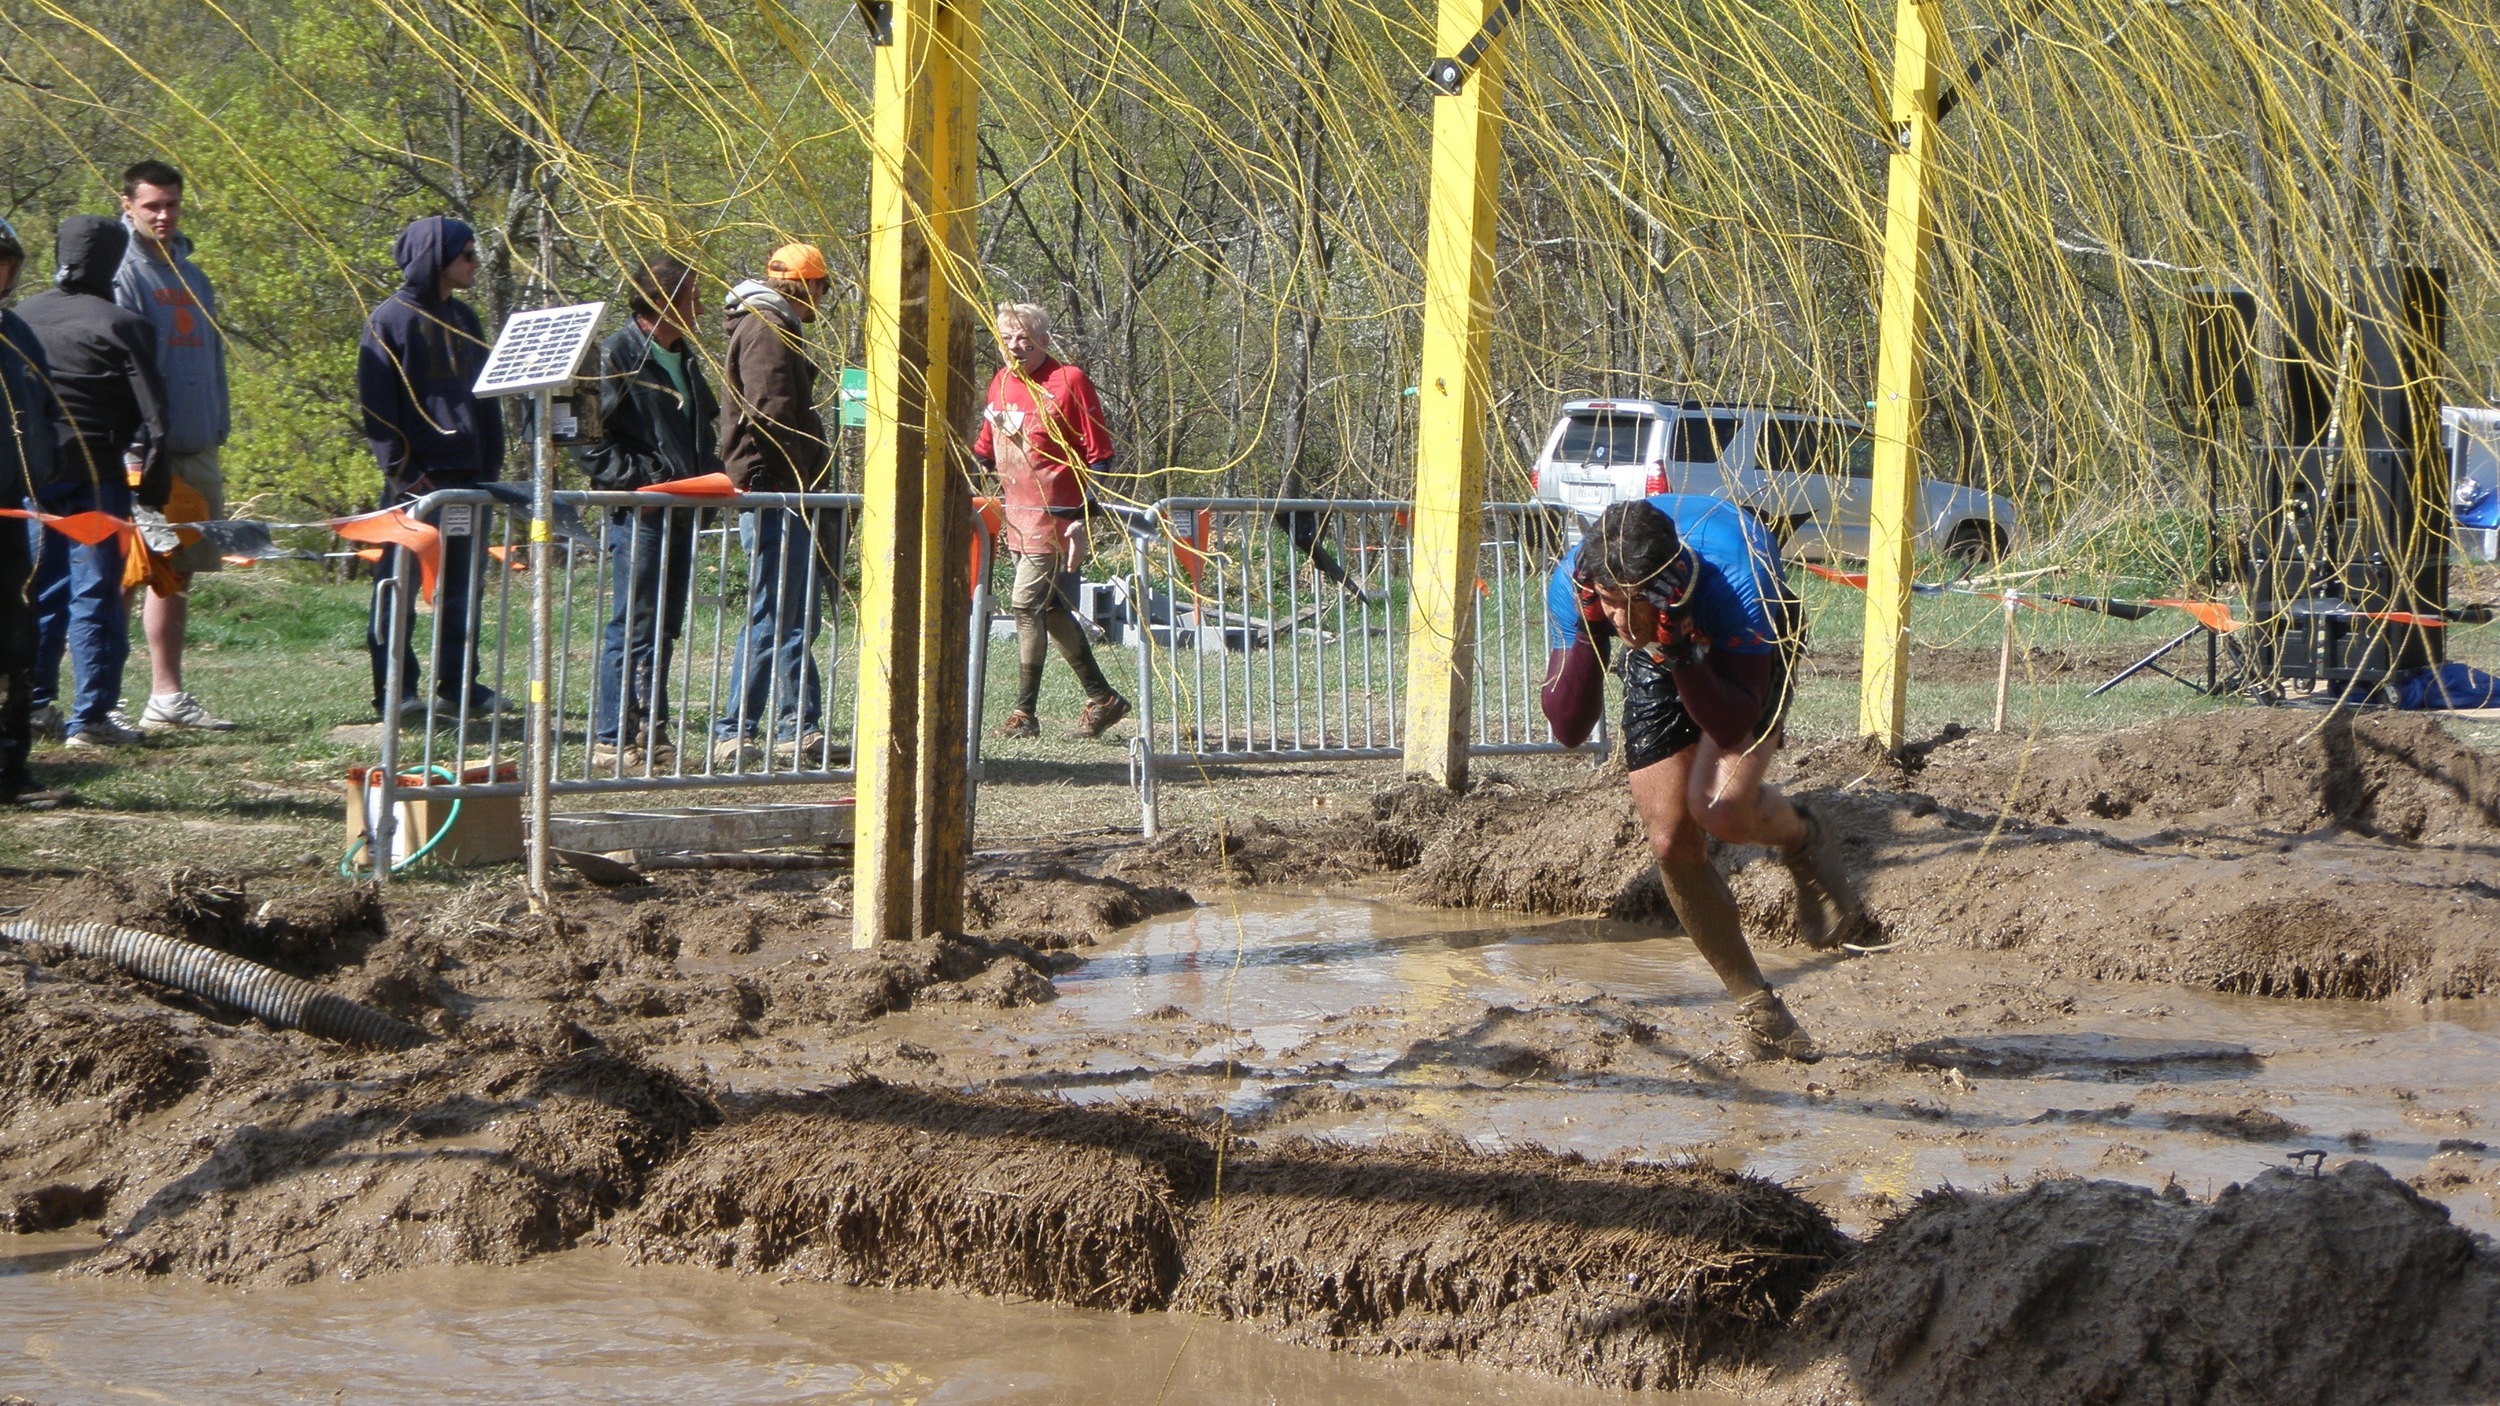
column 1803, row 474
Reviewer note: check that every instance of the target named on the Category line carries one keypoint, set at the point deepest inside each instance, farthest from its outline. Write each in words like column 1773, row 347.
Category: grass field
column 283, row 655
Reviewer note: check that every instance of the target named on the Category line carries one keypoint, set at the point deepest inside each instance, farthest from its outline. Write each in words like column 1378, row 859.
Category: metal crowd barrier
column 1252, row 647
column 704, row 584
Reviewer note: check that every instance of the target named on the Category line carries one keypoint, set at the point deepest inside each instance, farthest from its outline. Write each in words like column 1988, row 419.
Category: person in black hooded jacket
column 415, row 367
column 27, row 442
column 660, row 420
column 104, row 377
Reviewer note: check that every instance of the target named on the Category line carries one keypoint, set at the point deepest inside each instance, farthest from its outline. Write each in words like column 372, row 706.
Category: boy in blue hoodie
column 420, row 355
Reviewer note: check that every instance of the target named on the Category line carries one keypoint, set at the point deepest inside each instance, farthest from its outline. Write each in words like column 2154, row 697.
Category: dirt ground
column 1510, row 1132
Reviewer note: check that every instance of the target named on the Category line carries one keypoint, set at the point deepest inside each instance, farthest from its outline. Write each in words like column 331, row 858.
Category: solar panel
column 539, row 348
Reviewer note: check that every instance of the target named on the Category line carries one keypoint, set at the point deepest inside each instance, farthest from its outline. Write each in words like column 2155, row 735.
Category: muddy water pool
column 586, row 1327
column 1969, row 1068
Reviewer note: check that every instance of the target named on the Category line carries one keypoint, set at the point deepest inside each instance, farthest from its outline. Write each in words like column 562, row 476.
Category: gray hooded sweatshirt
column 161, row 284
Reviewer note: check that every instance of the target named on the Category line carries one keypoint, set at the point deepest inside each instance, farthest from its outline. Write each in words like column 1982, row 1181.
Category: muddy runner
column 1433, row 1079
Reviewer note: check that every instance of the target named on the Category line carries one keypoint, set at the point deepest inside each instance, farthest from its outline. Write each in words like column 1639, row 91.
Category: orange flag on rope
column 1846, row 578
column 1191, row 551
column 2214, row 615
column 392, row 527
column 699, row 486
column 87, row 529
column 988, row 520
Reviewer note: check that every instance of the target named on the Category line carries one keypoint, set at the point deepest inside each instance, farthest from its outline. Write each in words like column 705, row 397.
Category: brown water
column 2131, row 1081
column 586, row 1327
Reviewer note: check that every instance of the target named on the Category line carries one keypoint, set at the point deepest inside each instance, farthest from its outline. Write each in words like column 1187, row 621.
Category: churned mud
column 1435, row 1080
column 2349, row 1289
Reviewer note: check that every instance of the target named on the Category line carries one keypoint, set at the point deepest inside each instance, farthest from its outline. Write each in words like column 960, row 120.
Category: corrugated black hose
column 226, row 979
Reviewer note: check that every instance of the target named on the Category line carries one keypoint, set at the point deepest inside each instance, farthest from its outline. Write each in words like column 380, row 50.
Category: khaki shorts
column 199, row 495
column 1037, row 576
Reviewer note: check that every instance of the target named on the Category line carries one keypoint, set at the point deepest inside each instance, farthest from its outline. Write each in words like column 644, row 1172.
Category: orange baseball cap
column 799, row 261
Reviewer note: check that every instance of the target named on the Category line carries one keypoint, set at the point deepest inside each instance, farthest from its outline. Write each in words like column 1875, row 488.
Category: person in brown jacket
column 773, row 441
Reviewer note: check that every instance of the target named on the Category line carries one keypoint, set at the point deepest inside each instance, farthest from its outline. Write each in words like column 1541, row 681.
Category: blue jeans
column 651, row 572
column 78, row 606
column 775, row 669
column 455, row 615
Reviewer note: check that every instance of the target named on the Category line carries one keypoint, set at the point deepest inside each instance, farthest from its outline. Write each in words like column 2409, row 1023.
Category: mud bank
column 2342, row 1290
column 1619, row 1275
column 2279, row 853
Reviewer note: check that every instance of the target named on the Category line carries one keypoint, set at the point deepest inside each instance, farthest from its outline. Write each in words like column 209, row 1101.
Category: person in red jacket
column 1043, row 432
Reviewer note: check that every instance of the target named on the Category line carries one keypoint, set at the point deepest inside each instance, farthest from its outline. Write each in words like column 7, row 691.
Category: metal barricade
column 699, row 644
column 1275, row 630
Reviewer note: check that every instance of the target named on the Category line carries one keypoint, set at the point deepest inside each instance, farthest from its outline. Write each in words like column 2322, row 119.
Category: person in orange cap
column 773, row 441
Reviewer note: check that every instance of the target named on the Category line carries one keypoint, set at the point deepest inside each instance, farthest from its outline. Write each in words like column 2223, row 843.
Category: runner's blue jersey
column 1736, row 576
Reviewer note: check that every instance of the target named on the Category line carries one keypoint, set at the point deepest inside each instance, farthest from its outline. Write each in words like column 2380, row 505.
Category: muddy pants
column 1040, row 602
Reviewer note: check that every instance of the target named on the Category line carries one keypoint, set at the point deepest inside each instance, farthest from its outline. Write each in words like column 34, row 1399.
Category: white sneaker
column 166, row 711
column 108, row 733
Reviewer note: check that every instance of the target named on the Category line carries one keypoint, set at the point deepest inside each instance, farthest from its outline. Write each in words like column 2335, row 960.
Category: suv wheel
column 1974, row 544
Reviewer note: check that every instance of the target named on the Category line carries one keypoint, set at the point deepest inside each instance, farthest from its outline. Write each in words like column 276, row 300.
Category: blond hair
column 1032, row 317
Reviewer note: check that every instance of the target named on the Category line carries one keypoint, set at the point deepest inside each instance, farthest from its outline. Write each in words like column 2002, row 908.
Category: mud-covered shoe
column 1770, row 1032
column 1101, row 715
column 1020, row 724
column 1829, row 911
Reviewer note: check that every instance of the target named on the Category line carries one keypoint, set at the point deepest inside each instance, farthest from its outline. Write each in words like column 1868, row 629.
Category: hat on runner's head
column 802, row 262
column 1634, row 547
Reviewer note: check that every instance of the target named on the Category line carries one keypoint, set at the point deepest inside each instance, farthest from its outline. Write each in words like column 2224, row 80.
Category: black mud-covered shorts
column 1655, row 725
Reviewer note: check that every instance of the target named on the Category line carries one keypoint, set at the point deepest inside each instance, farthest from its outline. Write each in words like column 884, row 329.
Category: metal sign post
column 537, row 352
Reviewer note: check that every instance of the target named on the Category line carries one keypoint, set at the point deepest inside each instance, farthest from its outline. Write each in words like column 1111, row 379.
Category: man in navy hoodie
column 420, row 355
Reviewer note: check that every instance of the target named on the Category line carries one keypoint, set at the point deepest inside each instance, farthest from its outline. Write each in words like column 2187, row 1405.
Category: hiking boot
column 483, row 702
column 807, row 749
column 1100, row 715
column 411, row 705
column 1770, row 1032
column 1829, row 911
column 1020, row 724
column 43, row 722
column 35, row 798
column 608, row 757
column 110, row 732
column 167, row 711
column 728, row 752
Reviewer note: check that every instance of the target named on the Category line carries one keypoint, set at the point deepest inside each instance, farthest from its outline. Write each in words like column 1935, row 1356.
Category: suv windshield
column 1698, row 439
column 1598, row 436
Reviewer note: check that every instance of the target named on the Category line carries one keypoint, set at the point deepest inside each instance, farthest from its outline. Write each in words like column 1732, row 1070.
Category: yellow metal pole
column 885, row 745
column 1449, row 457
column 943, row 817
column 1900, row 390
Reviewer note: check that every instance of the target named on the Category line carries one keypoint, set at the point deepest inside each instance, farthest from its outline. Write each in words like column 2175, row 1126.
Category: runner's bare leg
column 1695, row 890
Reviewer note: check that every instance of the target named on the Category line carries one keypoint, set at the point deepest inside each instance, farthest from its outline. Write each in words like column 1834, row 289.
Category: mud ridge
column 896, row 1185
column 1617, row 1274
column 2344, row 1290
column 1620, row 1275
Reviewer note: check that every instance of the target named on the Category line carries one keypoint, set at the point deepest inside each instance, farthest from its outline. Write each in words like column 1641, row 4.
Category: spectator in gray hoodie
column 158, row 281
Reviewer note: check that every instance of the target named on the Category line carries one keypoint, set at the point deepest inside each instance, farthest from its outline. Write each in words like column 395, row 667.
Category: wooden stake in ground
column 2005, row 657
